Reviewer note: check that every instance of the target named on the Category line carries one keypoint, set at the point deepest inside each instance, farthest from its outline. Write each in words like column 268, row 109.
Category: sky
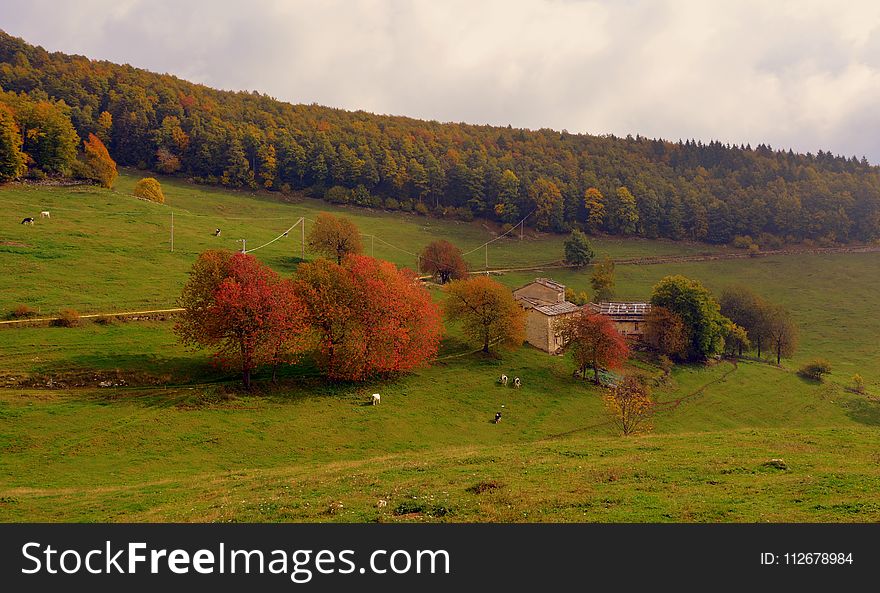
column 793, row 74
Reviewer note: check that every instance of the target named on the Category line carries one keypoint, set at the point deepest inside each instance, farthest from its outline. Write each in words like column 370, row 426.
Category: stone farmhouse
column 545, row 304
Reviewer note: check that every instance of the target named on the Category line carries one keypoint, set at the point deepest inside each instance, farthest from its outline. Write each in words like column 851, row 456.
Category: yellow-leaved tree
column 99, row 165
column 149, row 189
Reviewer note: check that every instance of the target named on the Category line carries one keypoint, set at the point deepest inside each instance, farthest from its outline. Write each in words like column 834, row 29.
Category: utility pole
column 487, row 259
column 243, row 245
column 521, row 223
column 172, row 231
column 302, row 245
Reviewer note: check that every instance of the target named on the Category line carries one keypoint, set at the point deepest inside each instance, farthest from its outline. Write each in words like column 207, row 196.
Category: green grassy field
column 104, row 250
column 178, row 441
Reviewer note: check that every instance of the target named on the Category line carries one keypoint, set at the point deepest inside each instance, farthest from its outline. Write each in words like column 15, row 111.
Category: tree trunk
column 246, row 378
column 778, row 355
column 596, row 375
column 486, row 343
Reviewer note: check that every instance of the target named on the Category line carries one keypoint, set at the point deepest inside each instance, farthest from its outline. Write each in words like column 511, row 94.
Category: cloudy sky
column 801, row 74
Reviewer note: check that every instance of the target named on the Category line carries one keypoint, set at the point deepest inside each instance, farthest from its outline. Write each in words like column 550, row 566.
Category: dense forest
column 627, row 186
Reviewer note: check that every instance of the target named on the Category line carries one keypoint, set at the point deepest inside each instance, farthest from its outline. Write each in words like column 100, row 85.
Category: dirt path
column 658, row 407
column 674, row 403
column 126, row 314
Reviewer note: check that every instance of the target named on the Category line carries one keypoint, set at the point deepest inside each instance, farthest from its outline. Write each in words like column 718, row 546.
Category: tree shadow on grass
column 864, row 412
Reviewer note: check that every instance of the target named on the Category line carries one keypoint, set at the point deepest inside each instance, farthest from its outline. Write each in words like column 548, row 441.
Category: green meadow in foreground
column 174, row 439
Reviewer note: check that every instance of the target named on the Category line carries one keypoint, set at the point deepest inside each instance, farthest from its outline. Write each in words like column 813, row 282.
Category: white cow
column 45, row 214
column 503, row 380
column 517, row 383
column 376, row 399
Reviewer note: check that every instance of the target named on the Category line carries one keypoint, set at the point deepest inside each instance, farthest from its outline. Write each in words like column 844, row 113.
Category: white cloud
column 801, row 74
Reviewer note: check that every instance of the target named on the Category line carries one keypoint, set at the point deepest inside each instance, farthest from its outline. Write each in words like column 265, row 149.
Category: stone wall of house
column 631, row 329
column 538, row 332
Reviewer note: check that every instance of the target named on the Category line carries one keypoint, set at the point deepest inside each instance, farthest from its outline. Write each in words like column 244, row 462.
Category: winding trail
column 658, row 407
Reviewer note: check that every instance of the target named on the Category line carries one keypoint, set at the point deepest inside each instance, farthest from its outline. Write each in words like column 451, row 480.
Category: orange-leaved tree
column 666, row 333
column 334, row 237
column 593, row 341
column 99, row 166
column 367, row 318
column 242, row 309
column 486, row 310
column 13, row 162
column 150, row 189
column 443, row 260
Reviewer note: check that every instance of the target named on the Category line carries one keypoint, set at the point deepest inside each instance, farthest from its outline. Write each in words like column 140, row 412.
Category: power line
column 284, row 234
column 501, row 236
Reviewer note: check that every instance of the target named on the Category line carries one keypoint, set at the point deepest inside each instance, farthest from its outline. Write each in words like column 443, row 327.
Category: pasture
column 175, row 439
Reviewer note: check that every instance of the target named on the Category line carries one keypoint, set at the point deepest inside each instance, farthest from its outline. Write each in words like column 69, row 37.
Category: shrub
column 361, row 196
column 464, row 213
column 815, row 369
column 754, row 250
column 578, row 298
column 742, row 242
column 406, row 205
column 768, row 241
column 666, row 364
column 376, row 202
column 421, row 209
column 104, row 320
column 23, row 312
column 392, row 204
column 858, row 383
column 337, row 195
column 149, row 189
column 67, row 318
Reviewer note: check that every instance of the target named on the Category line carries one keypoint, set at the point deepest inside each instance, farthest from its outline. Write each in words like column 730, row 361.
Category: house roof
column 557, row 308
column 552, row 285
column 628, row 310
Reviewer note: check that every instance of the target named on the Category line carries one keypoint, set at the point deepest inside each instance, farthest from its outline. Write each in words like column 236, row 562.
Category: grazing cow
column 497, row 417
column 503, row 380
column 28, row 220
column 45, row 214
column 217, row 233
column 376, row 399
column 517, row 383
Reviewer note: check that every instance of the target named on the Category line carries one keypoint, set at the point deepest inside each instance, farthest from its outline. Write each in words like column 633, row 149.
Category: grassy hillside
column 177, row 441
column 104, row 250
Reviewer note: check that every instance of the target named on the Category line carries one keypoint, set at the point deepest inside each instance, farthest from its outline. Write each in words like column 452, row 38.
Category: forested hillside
column 626, row 186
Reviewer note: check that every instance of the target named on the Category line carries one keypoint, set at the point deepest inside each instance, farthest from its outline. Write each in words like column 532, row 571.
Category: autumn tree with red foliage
column 367, row 318
column 243, row 309
column 443, row 261
column 99, row 166
column 593, row 341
